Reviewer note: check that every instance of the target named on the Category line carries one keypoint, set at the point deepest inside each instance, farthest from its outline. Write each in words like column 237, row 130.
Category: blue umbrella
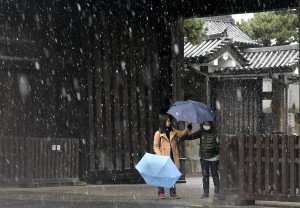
column 191, row 111
column 158, row 170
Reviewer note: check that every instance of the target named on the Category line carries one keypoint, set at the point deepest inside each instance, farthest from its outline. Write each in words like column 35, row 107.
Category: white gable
column 223, row 61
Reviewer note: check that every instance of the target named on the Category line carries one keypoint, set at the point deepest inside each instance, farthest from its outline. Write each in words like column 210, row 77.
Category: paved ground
column 119, row 196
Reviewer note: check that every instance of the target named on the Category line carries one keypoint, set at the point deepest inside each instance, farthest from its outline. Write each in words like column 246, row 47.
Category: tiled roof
column 278, row 59
column 209, row 50
column 215, row 26
column 208, row 46
column 276, row 56
column 224, row 36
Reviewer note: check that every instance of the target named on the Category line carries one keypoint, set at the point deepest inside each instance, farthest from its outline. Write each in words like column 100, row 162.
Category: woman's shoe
column 161, row 195
column 204, row 196
column 174, row 196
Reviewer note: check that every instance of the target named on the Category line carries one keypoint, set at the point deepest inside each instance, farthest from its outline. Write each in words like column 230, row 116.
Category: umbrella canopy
column 158, row 170
column 191, row 111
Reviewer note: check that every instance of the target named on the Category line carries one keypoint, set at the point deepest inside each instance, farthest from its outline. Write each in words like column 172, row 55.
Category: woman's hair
column 212, row 125
column 162, row 122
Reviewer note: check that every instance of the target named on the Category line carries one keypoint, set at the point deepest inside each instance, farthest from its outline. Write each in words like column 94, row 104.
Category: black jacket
column 209, row 146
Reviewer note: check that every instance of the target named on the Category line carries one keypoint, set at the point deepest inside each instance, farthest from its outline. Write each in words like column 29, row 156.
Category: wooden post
column 231, row 157
column 267, row 164
column 223, row 165
column 251, row 164
column 284, row 165
column 259, row 139
column 275, row 164
column 278, row 105
column 291, row 142
column 177, row 49
column 242, row 163
column 221, row 197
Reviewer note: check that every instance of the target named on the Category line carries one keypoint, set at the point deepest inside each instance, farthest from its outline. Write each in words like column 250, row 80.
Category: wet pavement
column 119, row 196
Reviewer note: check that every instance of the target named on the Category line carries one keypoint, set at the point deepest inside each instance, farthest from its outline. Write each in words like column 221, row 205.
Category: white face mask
column 205, row 127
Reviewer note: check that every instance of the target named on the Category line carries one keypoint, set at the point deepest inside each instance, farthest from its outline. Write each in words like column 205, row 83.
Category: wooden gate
column 259, row 167
column 35, row 161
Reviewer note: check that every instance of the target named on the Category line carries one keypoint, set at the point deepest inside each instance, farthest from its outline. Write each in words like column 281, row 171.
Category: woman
column 209, row 154
column 165, row 143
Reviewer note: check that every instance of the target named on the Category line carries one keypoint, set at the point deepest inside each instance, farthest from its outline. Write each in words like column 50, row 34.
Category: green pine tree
column 267, row 26
column 194, row 29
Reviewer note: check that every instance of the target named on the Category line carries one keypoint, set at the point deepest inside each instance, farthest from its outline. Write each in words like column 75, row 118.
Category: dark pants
column 162, row 190
column 213, row 166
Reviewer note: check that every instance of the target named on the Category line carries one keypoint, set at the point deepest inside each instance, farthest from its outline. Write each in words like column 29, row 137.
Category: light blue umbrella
column 191, row 111
column 158, row 170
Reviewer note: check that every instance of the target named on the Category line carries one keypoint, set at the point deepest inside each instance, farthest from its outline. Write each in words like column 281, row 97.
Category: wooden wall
column 40, row 93
column 34, row 161
column 258, row 167
column 39, row 103
column 131, row 85
column 195, row 86
column 100, row 72
column 125, row 78
column 123, row 88
column 238, row 104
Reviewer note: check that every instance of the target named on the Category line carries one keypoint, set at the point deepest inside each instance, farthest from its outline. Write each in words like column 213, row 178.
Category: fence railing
column 38, row 160
column 259, row 167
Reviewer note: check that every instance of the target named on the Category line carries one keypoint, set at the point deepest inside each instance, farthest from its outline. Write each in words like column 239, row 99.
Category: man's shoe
column 204, row 196
column 174, row 196
column 161, row 195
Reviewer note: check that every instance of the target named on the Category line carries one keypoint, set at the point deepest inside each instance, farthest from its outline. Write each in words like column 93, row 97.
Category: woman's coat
column 162, row 145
